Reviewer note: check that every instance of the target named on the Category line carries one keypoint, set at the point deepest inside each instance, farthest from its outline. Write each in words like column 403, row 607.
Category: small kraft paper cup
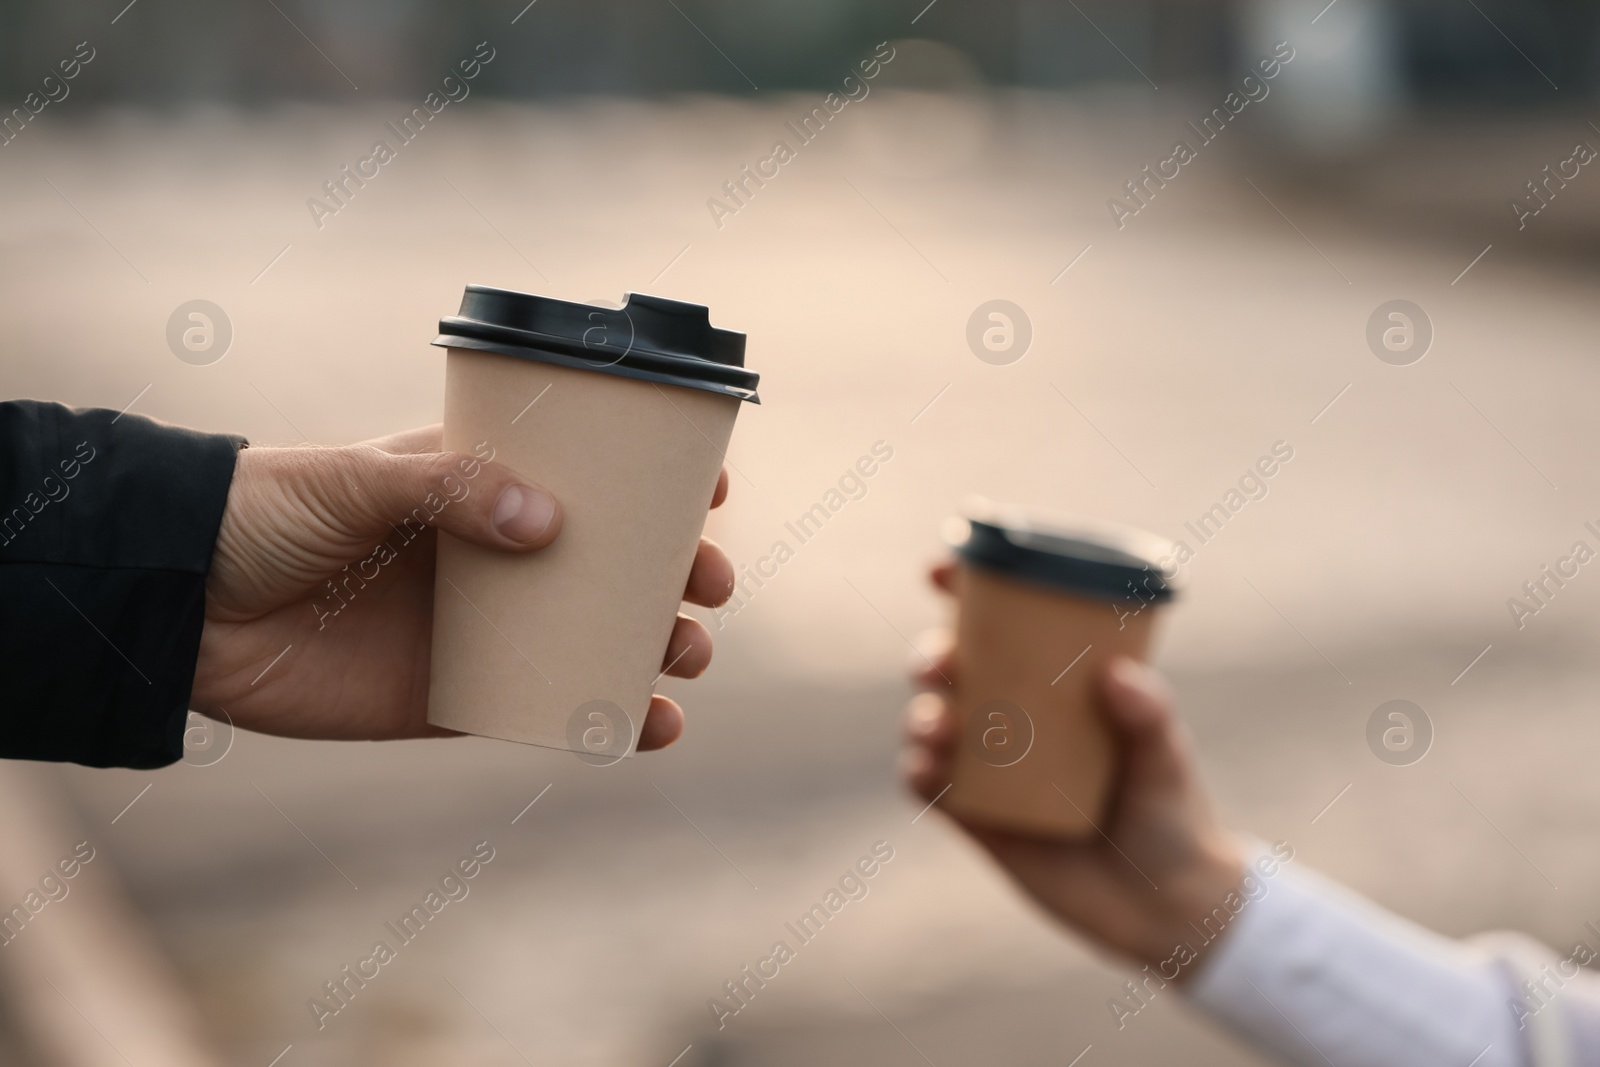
column 1041, row 605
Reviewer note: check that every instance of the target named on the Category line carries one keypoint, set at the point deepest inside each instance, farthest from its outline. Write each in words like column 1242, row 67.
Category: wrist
column 1194, row 909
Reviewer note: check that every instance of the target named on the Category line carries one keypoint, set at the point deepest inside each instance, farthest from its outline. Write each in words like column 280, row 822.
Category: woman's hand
column 1163, row 860
column 296, row 517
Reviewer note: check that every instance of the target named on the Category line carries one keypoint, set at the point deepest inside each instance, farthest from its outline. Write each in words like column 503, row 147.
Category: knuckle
column 436, row 468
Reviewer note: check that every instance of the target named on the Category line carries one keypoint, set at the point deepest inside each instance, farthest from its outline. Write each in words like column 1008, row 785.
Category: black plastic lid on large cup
column 649, row 338
column 1089, row 559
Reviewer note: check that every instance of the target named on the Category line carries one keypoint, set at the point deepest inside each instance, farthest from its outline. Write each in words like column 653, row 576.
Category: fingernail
column 523, row 514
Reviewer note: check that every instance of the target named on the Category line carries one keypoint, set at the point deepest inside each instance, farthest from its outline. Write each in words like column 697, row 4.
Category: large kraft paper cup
column 625, row 415
column 1040, row 608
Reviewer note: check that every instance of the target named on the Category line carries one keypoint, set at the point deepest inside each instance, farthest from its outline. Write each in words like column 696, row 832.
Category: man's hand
column 296, row 517
column 1163, row 860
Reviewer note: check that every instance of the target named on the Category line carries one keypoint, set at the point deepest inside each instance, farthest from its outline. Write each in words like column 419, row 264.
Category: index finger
column 937, row 671
column 722, row 489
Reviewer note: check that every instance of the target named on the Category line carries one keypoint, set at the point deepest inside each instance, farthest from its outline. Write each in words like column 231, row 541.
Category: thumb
column 1137, row 702
column 365, row 490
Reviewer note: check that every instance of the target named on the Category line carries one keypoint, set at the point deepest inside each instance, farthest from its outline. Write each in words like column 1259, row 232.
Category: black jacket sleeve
column 107, row 523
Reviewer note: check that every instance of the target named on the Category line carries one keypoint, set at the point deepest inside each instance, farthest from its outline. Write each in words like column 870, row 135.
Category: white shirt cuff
column 1313, row 974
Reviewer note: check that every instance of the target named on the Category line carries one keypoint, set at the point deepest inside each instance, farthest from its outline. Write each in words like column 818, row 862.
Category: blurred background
column 1146, row 356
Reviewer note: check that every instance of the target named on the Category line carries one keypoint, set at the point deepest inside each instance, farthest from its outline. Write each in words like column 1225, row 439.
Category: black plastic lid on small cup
column 649, row 338
column 1097, row 560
